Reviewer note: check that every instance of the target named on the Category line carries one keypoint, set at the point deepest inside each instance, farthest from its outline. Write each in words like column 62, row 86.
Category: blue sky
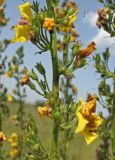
column 86, row 79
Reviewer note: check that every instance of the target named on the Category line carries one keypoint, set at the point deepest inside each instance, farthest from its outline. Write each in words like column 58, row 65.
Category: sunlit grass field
column 77, row 150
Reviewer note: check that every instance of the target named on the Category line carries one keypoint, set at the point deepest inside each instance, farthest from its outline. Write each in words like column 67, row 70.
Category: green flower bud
column 31, row 85
column 33, row 75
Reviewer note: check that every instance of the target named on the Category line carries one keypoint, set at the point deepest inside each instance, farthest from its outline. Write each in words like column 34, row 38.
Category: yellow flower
column 13, row 118
column 73, row 36
column 15, row 152
column 87, row 51
column 13, row 138
column 49, row 23
column 88, row 121
column 14, row 144
column 72, row 18
column 45, row 110
column 22, row 33
column 3, row 20
column 1, row 2
column 2, row 137
column 14, row 68
column 68, row 26
column 9, row 98
column 25, row 10
column 9, row 74
column 23, row 28
column 24, row 80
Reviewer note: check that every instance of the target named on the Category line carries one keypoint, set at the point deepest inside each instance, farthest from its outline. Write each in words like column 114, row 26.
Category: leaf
column 40, row 68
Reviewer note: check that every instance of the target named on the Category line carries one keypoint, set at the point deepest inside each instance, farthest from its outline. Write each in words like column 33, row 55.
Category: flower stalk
column 55, row 91
column 113, row 119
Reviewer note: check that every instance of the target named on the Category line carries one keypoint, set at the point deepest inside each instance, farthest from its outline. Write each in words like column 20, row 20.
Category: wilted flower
column 88, row 50
column 1, row 65
column 24, row 80
column 102, row 13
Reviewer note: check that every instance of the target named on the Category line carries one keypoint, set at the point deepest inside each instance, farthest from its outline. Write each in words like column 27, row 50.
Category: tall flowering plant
column 106, row 89
column 42, row 27
column 4, row 110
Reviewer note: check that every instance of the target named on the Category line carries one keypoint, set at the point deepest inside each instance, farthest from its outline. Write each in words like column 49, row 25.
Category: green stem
column 55, row 84
column 65, row 51
column 113, row 119
column 0, row 121
column 20, row 110
column 0, row 130
column 54, row 142
column 55, row 92
column 54, row 65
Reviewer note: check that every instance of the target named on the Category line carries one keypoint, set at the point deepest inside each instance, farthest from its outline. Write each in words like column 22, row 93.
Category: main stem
column 55, row 92
column 113, row 120
column 0, row 121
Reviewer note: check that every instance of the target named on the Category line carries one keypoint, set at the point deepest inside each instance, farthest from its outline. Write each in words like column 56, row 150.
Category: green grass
column 77, row 149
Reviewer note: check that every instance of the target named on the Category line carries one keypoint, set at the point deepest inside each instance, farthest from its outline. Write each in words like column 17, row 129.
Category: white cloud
column 102, row 38
column 91, row 18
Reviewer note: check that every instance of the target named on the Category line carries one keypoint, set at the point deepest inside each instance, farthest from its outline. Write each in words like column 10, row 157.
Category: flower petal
column 97, row 120
column 22, row 33
column 89, row 136
column 72, row 19
column 25, row 11
column 82, row 122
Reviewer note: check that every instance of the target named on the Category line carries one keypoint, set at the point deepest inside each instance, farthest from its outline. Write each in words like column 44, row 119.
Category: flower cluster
column 25, row 32
column 88, row 120
column 45, row 110
column 14, row 142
